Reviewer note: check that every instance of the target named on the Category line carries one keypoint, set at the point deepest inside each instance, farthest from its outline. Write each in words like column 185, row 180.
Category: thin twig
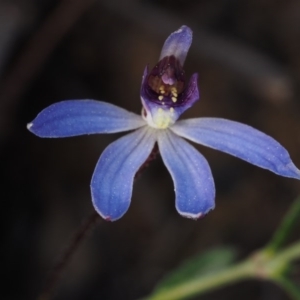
column 89, row 224
column 67, row 254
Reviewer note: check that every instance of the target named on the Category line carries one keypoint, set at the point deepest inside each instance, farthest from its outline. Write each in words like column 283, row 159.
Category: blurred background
column 247, row 57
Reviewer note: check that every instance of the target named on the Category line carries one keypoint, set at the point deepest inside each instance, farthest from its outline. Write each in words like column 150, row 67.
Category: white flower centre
column 160, row 118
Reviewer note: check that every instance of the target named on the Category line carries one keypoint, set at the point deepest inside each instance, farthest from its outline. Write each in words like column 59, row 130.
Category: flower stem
column 78, row 238
column 261, row 265
column 290, row 288
column 199, row 286
column 288, row 254
column 64, row 259
column 286, row 226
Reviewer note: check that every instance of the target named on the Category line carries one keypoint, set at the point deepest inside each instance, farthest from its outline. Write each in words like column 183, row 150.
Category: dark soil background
column 247, row 54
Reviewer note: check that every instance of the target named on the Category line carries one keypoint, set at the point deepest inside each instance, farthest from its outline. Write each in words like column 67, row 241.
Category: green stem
column 236, row 273
column 291, row 289
column 288, row 254
column 286, row 226
column 261, row 265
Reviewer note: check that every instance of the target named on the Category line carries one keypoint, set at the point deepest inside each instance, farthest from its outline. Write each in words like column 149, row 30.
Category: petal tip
column 185, row 29
column 195, row 216
column 105, row 215
column 191, row 215
column 294, row 171
column 108, row 218
column 29, row 125
column 178, row 44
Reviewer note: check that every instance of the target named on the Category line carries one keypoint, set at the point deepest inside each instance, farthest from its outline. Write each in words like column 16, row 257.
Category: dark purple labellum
column 165, row 84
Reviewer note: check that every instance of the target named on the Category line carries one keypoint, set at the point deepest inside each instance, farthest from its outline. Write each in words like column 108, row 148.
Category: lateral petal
column 113, row 177
column 239, row 140
column 191, row 174
column 78, row 117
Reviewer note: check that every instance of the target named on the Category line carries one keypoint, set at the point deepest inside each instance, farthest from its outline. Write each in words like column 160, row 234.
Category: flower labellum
column 165, row 95
column 164, row 92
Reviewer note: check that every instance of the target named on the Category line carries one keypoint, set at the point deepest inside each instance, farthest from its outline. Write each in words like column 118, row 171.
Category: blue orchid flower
column 165, row 95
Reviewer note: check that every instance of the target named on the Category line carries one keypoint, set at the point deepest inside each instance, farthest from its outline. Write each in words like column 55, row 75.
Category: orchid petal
column 112, row 181
column 189, row 96
column 178, row 44
column 191, row 174
column 77, row 117
column 162, row 114
column 239, row 140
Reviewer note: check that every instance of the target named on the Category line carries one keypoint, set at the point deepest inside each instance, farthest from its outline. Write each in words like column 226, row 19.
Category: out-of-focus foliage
column 203, row 264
